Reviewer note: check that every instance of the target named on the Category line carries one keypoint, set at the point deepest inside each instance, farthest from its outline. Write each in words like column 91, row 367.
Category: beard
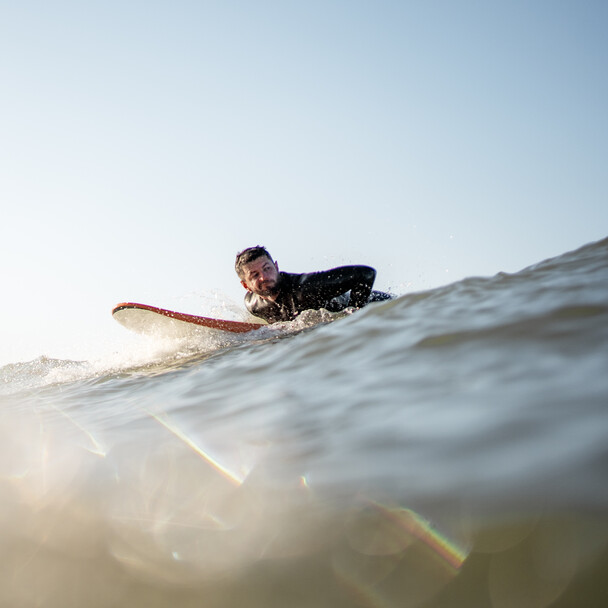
column 269, row 289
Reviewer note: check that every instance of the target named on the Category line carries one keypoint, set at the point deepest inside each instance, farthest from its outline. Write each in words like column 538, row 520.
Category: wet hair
column 248, row 255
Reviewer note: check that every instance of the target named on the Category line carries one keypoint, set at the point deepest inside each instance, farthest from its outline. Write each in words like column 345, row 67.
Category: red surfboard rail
column 222, row 324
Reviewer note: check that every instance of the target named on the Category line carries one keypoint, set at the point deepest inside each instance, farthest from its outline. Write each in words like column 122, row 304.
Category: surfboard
column 150, row 320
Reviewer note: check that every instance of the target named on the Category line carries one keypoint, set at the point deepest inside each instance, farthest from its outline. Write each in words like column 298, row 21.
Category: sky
column 142, row 144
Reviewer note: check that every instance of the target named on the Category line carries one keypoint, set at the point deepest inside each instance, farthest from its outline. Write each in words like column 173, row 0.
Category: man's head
column 257, row 270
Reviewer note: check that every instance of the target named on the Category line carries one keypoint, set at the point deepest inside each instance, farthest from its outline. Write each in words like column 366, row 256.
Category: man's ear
column 245, row 285
column 276, row 265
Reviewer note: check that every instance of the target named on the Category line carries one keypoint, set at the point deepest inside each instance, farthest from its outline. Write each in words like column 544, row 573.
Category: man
column 281, row 296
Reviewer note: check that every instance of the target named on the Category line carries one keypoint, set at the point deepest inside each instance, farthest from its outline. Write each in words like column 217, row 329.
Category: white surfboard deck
column 150, row 320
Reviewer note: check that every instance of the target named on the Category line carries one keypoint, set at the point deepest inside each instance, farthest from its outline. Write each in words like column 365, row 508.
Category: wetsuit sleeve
column 256, row 306
column 332, row 283
column 270, row 311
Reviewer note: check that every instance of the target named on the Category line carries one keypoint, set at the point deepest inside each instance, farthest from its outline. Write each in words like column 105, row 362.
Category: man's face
column 261, row 276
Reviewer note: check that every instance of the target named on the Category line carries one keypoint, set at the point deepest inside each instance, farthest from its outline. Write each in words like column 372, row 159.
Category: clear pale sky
column 142, row 144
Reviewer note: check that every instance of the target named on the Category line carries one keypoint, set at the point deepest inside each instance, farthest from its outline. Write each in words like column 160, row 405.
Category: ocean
column 446, row 448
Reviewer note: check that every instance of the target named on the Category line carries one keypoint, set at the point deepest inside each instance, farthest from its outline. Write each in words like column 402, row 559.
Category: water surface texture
column 446, row 448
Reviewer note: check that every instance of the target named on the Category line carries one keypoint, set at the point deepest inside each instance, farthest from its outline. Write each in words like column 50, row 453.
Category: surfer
column 275, row 296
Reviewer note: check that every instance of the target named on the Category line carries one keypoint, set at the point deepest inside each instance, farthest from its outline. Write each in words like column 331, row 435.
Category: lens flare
column 233, row 477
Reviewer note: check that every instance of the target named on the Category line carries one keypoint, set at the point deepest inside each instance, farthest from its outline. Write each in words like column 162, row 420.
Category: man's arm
column 265, row 309
column 329, row 284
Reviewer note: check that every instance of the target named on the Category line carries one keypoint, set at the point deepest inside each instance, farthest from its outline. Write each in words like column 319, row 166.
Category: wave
column 566, row 286
column 443, row 448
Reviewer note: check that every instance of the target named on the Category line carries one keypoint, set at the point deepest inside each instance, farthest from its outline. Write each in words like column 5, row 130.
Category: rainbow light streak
column 97, row 449
column 415, row 525
column 419, row 527
column 232, row 477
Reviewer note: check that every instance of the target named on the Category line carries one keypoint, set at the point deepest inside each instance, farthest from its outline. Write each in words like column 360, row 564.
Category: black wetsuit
column 328, row 289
